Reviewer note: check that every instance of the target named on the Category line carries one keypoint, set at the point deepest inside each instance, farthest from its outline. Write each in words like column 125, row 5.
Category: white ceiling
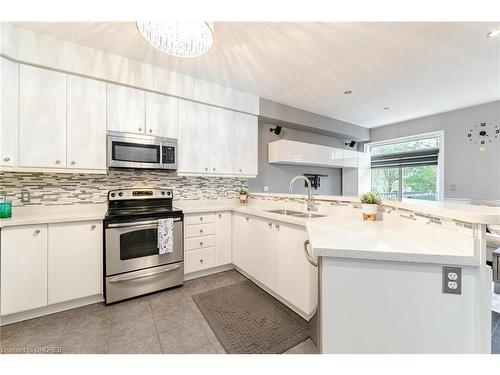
column 416, row 69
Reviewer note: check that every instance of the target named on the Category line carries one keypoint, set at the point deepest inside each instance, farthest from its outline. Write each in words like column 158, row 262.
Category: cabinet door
column 9, row 125
column 74, row 260
column 262, row 251
column 247, row 144
column 86, row 123
column 126, row 109
column 194, row 137
column 23, row 268
column 350, row 159
column 222, row 141
column 162, row 115
column 240, row 242
column 296, row 278
column 223, row 238
column 42, row 118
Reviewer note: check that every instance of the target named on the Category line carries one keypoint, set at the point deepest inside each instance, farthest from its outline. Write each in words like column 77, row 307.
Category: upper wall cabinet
column 86, row 123
column 162, row 115
column 247, row 144
column 42, row 118
column 194, row 138
column 126, row 109
column 9, row 125
column 222, row 134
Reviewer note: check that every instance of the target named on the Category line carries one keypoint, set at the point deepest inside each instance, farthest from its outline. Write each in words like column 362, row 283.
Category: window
column 407, row 167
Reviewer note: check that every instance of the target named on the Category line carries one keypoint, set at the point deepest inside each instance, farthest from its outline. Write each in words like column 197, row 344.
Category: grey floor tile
column 87, row 323
column 305, row 347
column 495, row 319
column 35, row 337
column 131, row 310
column 219, row 349
column 132, row 330
column 173, row 315
column 208, row 331
column 59, row 318
column 195, row 286
column 208, row 349
column 89, row 343
column 184, row 339
column 495, row 342
column 167, row 297
column 194, row 308
column 223, row 279
column 148, row 345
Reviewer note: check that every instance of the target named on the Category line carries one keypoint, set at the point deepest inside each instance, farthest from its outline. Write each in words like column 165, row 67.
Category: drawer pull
column 92, row 227
column 201, row 260
column 201, row 231
column 37, row 232
column 201, row 218
column 6, row 159
column 201, row 243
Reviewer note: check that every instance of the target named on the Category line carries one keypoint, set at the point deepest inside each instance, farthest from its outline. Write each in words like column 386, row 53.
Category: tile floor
column 495, row 333
column 164, row 322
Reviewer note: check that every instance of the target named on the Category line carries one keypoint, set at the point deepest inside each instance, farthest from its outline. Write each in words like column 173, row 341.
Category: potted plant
column 243, row 195
column 370, row 202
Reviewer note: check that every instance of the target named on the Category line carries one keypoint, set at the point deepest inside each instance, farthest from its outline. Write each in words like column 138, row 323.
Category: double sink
column 304, row 215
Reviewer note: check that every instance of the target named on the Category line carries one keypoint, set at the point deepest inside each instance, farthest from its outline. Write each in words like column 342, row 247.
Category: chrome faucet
column 310, row 199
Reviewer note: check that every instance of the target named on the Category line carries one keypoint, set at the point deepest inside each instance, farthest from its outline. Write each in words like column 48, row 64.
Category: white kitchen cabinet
column 194, row 138
column 74, row 260
column 23, row 268
column 86, row 123
column 9, row 125
column 296, row 278
column 242, row 239
column 42, row 118
column 262, row 251
column 246, row 144
column 223, row 238
column 162, row 115
column 222, row 141
column 198, row 260
column 350, row 159
column 126, row 109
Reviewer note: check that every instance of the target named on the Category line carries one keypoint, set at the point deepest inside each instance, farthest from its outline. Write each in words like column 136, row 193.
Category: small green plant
column 243, row 191
column 370, row 198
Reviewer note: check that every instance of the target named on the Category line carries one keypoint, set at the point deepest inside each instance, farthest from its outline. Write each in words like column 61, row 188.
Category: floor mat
column 246, row 319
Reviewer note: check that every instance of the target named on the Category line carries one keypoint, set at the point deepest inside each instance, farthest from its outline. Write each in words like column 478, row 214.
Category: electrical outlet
column 266, row 188
column 452, row 280
column 453, row 187
column 25, row 196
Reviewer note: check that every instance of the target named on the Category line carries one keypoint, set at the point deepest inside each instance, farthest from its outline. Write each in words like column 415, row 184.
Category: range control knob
column 120, row 194
column 169, row 193
column 162, row 193
column 113, row 195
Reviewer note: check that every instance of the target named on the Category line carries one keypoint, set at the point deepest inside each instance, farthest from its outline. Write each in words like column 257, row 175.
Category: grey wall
column 277, row 176
column 476, row 174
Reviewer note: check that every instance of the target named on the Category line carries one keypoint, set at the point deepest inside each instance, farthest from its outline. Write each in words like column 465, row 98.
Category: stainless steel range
column 133, row 265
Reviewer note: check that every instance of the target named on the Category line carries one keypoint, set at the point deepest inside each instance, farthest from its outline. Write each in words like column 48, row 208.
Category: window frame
column 440, row 167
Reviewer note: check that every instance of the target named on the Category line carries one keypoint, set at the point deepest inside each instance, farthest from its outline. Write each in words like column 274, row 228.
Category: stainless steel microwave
column 141, row 151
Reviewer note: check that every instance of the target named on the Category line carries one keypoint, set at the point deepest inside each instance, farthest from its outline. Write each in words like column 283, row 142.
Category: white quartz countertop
column 54, row 214
column 358, row 239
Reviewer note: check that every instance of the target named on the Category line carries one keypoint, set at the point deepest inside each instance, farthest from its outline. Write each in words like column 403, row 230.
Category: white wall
column 475, row 174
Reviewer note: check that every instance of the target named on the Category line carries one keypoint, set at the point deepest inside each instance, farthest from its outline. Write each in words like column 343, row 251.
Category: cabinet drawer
column 199, row 230
column 199, row 242
column 199, row 219
column 198, row 260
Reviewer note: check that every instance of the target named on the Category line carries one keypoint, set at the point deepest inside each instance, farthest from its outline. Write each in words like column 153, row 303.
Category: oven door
column 133, row 246
column 134, row 151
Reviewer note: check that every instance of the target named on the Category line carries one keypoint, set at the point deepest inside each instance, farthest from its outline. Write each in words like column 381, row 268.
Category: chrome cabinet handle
column 240, row 170
column 6, row 158
column 140, row 129
column 214, row 169
column 73, row 162
column 150, row 130
column 220, row 215
column 58, row 162
column 247, row 218
column 201, row 218
column 201, row 231
column 37, row 232
column 201, row 243
column 309, row 257
column 277, row 226
column 154, row 273
column 206, row 169
column 92, row 227
column 270, row 225
column 201, row 260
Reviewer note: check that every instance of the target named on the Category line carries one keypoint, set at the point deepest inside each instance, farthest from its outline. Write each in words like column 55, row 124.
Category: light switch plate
column 452, row 280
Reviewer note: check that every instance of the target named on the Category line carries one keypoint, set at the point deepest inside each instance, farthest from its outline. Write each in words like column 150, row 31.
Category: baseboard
column 279, row 298
column 51, row 309
column 210, row 271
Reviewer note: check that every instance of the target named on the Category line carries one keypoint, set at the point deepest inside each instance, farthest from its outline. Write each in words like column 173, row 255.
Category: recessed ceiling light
column 348, row 92
column 386, row 108
column 493, row 33
column 177, row 38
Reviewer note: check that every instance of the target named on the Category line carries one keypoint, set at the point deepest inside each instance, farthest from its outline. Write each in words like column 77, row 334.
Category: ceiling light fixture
column 386, row 108
column 348, row 92
column 493, row 33
column 178, row 38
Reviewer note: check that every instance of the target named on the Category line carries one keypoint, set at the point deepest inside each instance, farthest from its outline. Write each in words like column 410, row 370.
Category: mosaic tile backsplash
column 63, row 188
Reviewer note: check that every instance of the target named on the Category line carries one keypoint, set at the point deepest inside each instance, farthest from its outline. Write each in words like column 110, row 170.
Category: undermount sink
column 305, row 215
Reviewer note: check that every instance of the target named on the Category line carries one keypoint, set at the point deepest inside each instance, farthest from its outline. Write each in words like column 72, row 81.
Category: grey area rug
column 246, row 319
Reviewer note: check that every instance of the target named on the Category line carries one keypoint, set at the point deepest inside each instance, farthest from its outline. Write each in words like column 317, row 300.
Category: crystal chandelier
column 178, row 38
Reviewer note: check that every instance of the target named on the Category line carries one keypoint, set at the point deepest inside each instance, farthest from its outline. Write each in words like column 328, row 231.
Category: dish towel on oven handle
column 165, row 236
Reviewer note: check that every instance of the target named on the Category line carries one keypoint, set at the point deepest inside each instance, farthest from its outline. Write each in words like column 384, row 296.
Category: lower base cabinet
column 49, row 263
column 273, row 254
column 74, row 261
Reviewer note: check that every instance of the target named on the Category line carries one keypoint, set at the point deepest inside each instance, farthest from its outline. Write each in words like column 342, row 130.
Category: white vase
column 369, row 211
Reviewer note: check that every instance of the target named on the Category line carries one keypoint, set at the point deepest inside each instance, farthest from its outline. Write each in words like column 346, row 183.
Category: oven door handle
column 118, row 279
column 136, row 223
